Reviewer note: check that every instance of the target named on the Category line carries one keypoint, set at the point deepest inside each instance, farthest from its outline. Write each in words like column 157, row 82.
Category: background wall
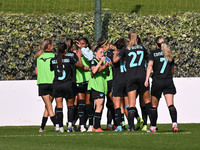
column 21, row 105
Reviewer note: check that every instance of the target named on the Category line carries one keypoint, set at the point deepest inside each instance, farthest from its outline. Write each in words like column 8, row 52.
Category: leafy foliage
column 20, row 36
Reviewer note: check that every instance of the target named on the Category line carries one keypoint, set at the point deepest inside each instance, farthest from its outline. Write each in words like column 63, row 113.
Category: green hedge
column 21, row 34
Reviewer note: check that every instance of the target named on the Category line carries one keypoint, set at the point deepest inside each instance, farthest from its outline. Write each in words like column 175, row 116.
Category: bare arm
column 36, row 70
column 79, row 63
column 115, row 57
column 149, row 69
column 97, row 68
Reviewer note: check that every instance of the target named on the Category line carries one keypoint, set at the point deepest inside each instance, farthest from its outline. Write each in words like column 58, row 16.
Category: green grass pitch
column 28, row 137
column 127, row 6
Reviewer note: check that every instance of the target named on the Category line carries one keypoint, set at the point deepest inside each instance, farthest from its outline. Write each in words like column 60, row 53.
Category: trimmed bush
column 20, row 36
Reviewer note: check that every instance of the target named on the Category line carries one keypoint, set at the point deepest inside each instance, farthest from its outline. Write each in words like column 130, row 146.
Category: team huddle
column 84, row 76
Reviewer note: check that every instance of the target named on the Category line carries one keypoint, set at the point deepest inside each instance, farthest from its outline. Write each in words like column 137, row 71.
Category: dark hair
column 101, row 41
column 86, row 40
column 139, row 40
column 97, row 48
column 120, row 43
column 157, row 41
column 61, row 50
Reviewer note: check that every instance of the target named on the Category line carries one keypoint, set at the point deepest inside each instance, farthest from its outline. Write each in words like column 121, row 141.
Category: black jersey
column 135, row 61
column 67, row 73
column 119, row 70
column 109, row 54
column 73, row 56
column 161, row 67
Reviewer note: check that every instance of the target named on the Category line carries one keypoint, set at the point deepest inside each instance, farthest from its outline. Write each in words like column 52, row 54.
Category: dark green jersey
column 44, row 75
column 98, row 82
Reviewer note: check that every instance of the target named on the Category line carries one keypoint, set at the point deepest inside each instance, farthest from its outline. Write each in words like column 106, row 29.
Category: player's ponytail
column 61, row 51
column 132, row 39
column 69, row 43
column 43, row 46
column 165, row 49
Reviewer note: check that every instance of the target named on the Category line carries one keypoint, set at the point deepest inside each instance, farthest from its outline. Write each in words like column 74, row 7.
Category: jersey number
column 132, row 63
column 164, row 64
column 122, row 66
column 63, row 74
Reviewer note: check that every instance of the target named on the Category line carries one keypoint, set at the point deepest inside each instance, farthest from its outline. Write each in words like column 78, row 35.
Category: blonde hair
column 165, row 49
column 43, row 46
column 132, row 39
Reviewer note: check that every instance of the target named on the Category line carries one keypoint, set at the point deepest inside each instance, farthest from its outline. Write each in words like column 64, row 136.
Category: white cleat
column 90, row 128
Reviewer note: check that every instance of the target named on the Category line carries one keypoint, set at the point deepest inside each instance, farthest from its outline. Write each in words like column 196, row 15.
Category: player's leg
column 59, row 111
column 144, row 114
column 70, row 114
column 131, row 109
column 90, row 111
column 172, row 110
column 81, row 110
column 117, row 105
column 98, row 113
column 48, row 104
column 154, row 114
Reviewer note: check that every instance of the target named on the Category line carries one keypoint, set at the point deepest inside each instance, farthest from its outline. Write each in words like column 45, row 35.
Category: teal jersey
column 44, row 74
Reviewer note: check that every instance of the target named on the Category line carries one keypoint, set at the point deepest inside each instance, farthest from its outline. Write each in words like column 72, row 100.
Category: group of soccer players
column 84, row 77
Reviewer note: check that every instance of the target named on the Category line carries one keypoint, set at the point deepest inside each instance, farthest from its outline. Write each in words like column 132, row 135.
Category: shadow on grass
column 136, row 9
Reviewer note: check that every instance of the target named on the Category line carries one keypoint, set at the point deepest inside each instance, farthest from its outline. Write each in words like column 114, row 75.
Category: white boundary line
column 93, row 134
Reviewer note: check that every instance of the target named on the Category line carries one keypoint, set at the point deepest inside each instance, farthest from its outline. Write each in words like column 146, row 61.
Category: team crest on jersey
column 45, row 59
column 92, row 62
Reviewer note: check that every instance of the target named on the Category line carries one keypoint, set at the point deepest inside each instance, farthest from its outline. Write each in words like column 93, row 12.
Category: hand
column 78, row 52
column 106, row 64
column 112, row 46
column 103, row 58
column 146, row 83
column 77, row 43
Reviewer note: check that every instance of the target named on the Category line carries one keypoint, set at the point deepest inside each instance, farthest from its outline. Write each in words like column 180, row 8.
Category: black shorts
column 96, row 94
column 82, row 87
column 74, row 87
column 45, row 89
column 165, row 86
column 109, row 84
column 119, row 89
column 64, row 90
column 136, row 84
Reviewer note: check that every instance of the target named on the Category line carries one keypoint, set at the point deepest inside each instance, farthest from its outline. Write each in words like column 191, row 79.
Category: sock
column 122, row 117
column 44, row 121
column 81, row 111
column 144, row 115
column 113, row 115
column 97, row 120
column 131, row 115
column 54, row 120
column 154, row 116
column 60, row 116
column 90, row 111
column 136, row 113
column 109, row 116
column 148, row 109
column 173, row 113
column 70, row 114
column 118, row 116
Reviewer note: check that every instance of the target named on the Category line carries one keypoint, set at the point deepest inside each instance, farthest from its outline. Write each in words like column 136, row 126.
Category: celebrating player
column 162, row 63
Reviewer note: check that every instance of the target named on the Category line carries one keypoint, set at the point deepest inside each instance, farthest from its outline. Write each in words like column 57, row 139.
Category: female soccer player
column 162, row 63
column 134, row 56
column 102, row 42
column 45, row 81
column 98, row 85
column 82, row 78
column 119, row 87
column 62, row 84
